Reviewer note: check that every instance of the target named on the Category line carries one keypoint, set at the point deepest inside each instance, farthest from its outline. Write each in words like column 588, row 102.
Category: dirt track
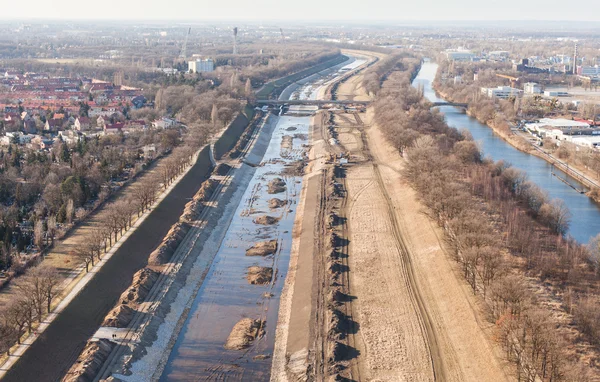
column 416, row 320
column 413, row 318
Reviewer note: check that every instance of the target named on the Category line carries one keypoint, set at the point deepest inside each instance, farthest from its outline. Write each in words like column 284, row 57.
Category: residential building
column 82, row 123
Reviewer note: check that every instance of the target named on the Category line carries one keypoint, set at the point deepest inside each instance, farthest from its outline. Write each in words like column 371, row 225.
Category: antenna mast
column 235, row 32
column 183, row 53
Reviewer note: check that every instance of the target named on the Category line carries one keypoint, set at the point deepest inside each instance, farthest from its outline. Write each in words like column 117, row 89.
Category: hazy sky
column 258, row 10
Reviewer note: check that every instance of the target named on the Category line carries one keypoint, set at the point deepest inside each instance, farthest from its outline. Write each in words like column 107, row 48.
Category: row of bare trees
column 35, row 293
column 118, row 216
column 40, row 285
column 501, row 228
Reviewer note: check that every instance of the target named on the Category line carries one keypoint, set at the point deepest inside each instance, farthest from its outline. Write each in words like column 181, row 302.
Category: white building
column 199, row 66
column 555, row 127
column 501, row 92
column 555, row 93
column 459, row 54
column 589, row 71
column 532, row 88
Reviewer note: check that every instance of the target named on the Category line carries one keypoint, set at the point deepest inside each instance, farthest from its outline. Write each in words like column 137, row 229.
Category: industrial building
column 199, row 66
column 532, row 88
column 459, row 54
column 502, row 92
column 589, row 71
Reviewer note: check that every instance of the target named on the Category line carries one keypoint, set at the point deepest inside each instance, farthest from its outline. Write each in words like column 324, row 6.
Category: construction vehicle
column 513, row 80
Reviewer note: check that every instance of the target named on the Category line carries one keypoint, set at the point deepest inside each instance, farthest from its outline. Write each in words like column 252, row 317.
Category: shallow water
column 585, row 222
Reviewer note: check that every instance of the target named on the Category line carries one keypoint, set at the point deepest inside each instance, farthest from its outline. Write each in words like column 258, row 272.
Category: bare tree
column 38, row 234
column 214, row 115
column 70, row 211
column 144, row 193
column 82, row 251
column 51, row 228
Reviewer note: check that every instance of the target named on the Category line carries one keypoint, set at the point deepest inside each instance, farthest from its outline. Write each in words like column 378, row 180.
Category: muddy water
column 585, row 222
column 225, row 296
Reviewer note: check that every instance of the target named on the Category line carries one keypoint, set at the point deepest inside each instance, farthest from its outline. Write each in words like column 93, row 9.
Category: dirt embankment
column 264, row 248
column 90, row 361
column 96, row 352
column 163, row 253
column 245, row 332
column 167, row 248
column 194, row 207
column 122, row 314
column 339, row 325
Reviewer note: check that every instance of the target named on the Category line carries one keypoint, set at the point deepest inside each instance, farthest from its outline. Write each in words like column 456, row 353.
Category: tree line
column 508, row 236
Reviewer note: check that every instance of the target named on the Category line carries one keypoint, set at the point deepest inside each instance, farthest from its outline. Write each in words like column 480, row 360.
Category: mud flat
column 264, row 248
column 265, row 220
column 244, row 333
column 259, row 275
column 276, row 203
column 276, row 186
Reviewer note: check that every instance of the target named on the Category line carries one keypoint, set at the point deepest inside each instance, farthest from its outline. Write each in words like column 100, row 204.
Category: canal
column 226, row 295
column 585, row 221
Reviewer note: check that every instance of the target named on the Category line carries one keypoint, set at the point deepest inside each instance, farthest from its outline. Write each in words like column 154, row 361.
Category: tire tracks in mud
column 426, row 321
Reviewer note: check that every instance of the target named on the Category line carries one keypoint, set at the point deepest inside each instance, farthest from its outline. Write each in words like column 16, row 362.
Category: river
column 585, row 222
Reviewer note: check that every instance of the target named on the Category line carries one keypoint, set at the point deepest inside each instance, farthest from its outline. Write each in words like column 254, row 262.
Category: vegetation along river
column 585, row 221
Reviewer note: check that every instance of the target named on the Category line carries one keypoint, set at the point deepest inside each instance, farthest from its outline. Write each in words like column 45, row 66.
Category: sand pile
column 295, row 168
column 259, row 275
column 263, row 248
column 287, row 142
column 222, row 169
column 265, row 220
column 169, row 245
column 276, row 203
column 119, row 317
column 90, row 361
column 143, row 281
column 244, row 333
column 276, row 186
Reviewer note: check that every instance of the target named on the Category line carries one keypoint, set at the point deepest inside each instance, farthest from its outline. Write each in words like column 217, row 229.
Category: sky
column 309, row 10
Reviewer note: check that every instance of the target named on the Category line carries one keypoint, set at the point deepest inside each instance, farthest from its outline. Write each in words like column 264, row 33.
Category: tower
column 118, row 78
column 235, row 31
column 575, row 60
column 183, row 53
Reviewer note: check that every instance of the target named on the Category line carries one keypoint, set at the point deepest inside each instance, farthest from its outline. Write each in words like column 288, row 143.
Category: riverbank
column 522, row 144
